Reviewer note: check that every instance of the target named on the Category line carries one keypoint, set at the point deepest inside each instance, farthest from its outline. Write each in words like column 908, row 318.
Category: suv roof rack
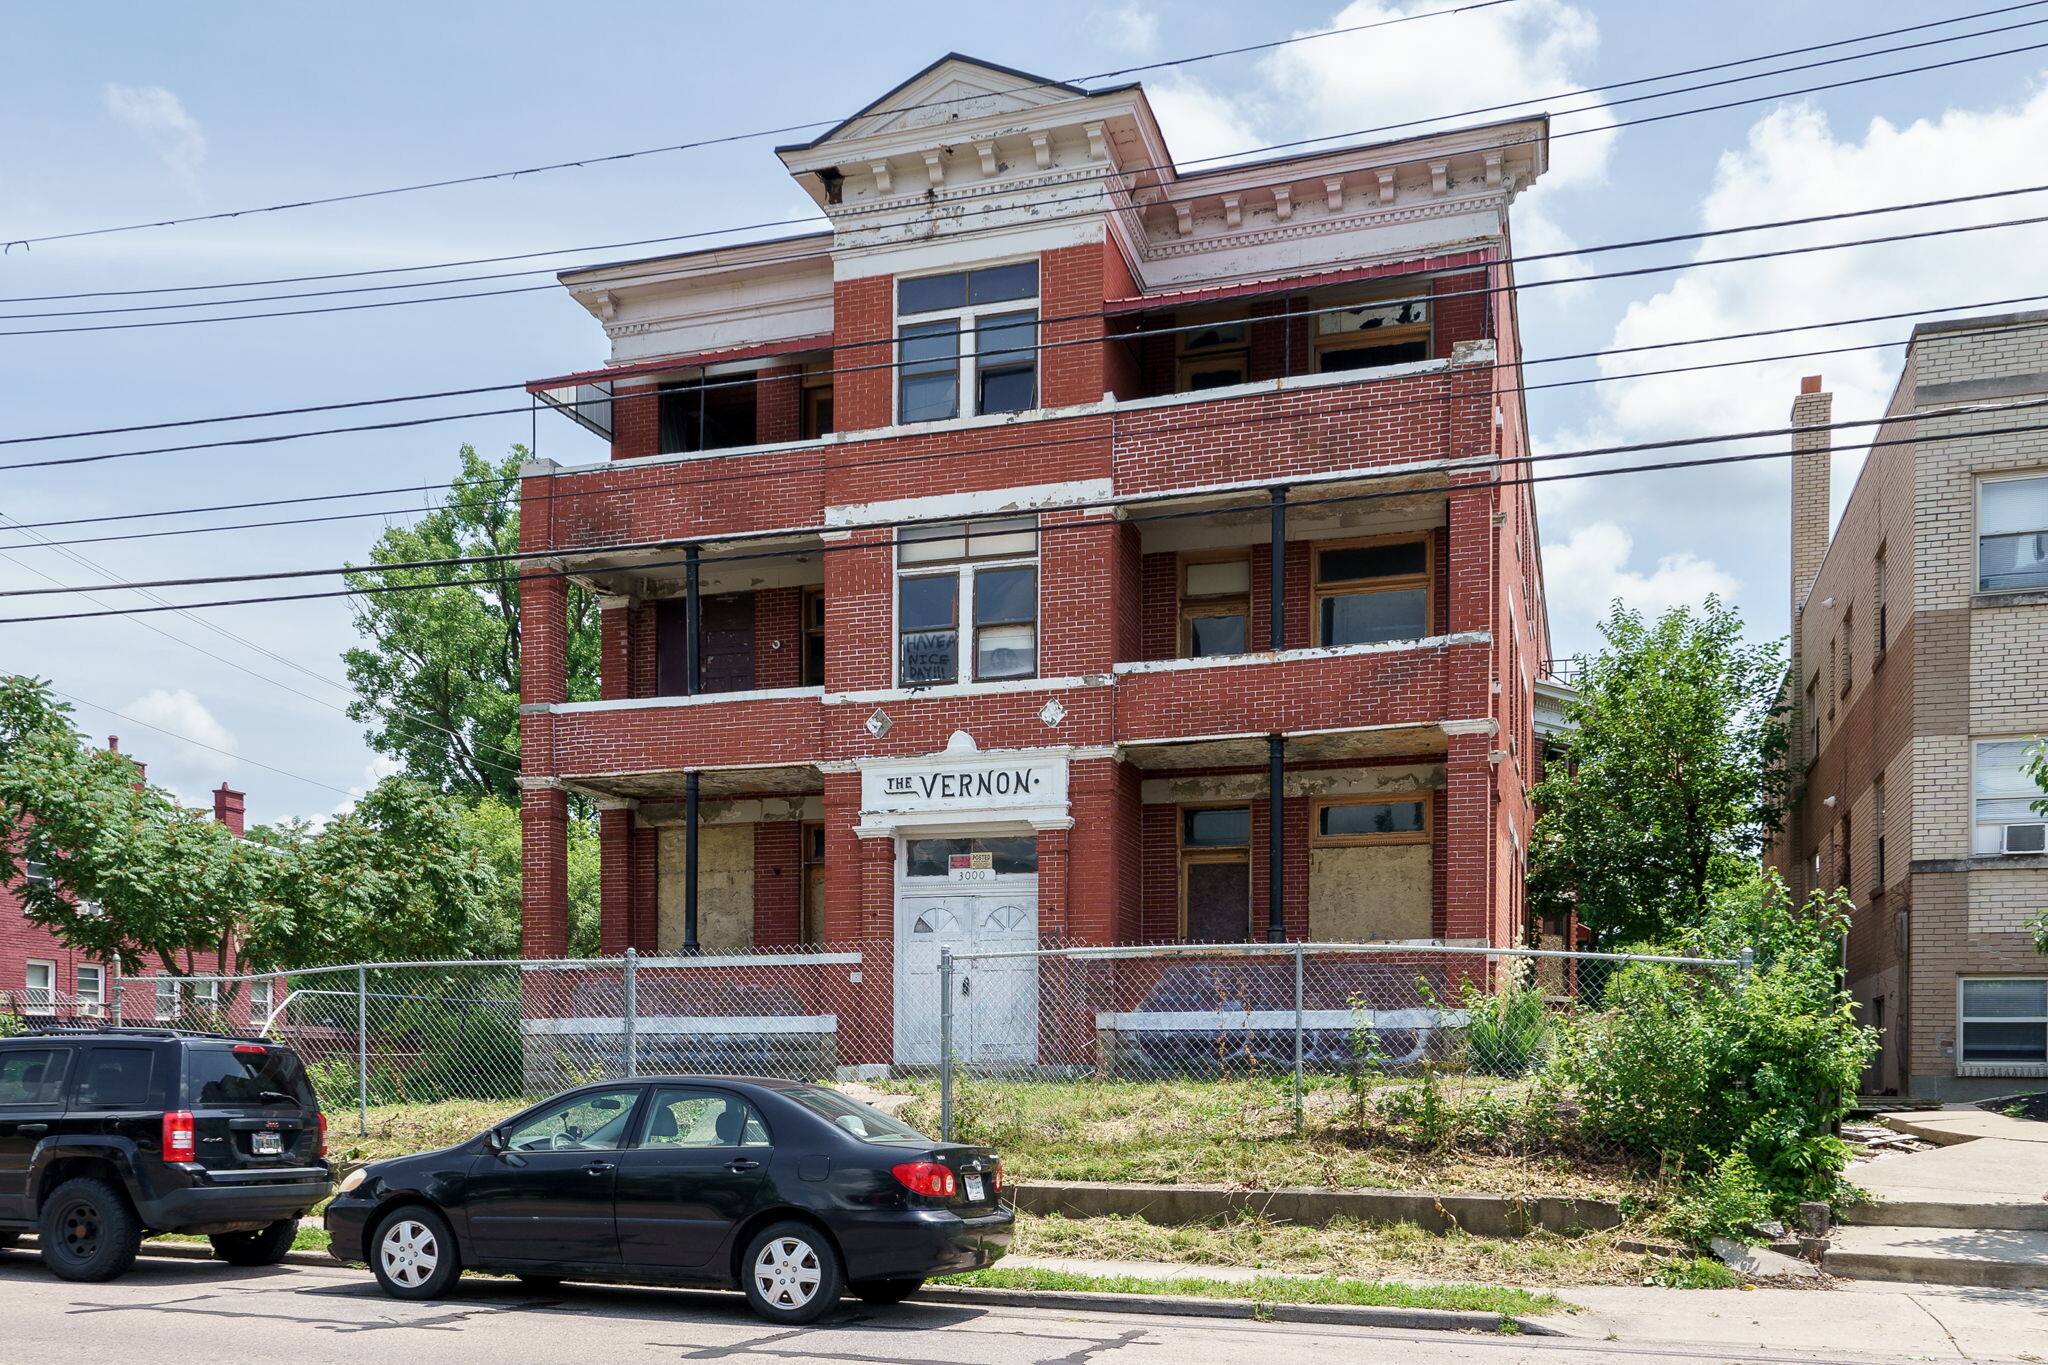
column 132, row 1031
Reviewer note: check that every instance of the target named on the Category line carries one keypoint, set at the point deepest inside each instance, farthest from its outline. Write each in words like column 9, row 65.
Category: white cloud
column 376, row 770
column 163, row 121
column 181, row 716
column 1587, row 573
column 1129, row 28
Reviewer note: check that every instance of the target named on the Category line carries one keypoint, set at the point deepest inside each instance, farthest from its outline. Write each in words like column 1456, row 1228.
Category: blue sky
column 141, row 111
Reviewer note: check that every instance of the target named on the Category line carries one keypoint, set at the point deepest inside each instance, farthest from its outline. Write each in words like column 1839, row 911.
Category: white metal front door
column 995, row 1003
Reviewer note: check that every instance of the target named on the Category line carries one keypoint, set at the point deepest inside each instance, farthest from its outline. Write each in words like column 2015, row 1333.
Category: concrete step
column 1941, row 1213
column 1982, row 1257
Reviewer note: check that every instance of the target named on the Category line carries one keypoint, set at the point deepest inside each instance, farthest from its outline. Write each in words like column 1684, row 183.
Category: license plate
column 976, row 1191
column 267, row 1144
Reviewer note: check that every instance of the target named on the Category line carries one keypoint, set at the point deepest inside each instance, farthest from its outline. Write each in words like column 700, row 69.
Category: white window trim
column 969, row 316
column 963, row 571
column 176, row 1001
column 1977, row 517
column 98, row 994
column 1968, row 1068
column 44, row 996
column 2027, row 790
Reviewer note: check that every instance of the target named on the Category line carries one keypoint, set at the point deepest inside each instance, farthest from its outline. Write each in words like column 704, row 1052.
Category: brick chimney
column 227, row 808
column 1811, row 462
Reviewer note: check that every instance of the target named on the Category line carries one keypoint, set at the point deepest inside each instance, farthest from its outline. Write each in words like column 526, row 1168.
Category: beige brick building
column 1919, row 672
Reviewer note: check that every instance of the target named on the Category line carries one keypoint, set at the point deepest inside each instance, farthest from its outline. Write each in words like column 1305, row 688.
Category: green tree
column 493, row 827
column 134, row 877
column 437, row 679
column 1673, row 776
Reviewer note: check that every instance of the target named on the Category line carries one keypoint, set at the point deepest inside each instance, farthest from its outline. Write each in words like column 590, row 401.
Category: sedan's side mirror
column 498, row 1139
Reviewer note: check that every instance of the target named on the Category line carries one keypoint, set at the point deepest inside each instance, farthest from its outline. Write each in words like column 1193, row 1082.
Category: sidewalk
column 1938, row 1322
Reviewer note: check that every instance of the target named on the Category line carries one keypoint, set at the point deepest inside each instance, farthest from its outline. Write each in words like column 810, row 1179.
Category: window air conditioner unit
column 2027, row 838
column 88, row 1010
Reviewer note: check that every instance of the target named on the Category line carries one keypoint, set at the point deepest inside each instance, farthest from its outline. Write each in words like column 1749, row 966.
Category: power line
column 961, row 232
column 1126, row 171
column 736, row 137
column 1487, row 290
column 1380, row 128
column 556, row 552
column 1419, row 401
column 1447, row 490
column 396, row 714
column 127, row 719
column 1091, row 315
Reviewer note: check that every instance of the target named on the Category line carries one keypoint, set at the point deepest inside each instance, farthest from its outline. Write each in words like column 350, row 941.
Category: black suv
column 106, row 1134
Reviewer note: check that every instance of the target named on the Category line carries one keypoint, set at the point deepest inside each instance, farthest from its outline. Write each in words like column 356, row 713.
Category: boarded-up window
column 1370, row 873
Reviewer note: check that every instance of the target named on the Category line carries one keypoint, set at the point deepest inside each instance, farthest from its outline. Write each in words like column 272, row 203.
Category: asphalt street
column 173, row 1312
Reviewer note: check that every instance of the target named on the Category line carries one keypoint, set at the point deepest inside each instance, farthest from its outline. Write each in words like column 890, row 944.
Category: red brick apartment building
column 1918, row 631
column 41, row 979
column 1058, row 547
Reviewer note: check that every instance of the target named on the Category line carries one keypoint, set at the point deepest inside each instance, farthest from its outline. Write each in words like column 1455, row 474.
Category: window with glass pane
column 1372, row 591
column 2004, row 1022
column 1215, row 605
column 92, row 984
column 589, row 1122
column 928, row 378
column 42, row 985
column 2012, row 534
column 984, row 350
column 2004, row 794
column 961, row 566
column 1372, row 821
column 1006, row 623
column 1009, row 855
column 1216, row 827
column 928, row 622
column 1006, row 362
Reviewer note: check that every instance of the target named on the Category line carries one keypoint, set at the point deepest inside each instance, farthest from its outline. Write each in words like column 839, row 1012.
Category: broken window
column 1215, row 874
column 1372, row 335
column 1215, row 604
column 1369, row 591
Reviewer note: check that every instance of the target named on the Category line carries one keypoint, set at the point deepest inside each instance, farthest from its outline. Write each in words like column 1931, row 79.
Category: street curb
column 1325, row 1315
column 1313, row 1314
column 196, row 1251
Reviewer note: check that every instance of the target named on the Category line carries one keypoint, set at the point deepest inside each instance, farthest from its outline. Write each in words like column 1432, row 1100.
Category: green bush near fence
column 1733, row 1086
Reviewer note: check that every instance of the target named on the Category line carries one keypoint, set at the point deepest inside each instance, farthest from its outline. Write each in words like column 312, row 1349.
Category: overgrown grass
column 1242, row 1132
column 1274, row 1289
column 1343, row 1247
column 1237, row 1132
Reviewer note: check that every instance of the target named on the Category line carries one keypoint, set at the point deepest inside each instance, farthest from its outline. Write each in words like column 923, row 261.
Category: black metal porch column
column 693, row 608
column 1276, row 838
column 1276, row 590
column 690, row 780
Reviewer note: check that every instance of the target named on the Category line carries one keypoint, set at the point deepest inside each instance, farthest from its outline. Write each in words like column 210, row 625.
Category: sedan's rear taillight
column 321, row 1119
column 927, row 1177
column 181, row 1139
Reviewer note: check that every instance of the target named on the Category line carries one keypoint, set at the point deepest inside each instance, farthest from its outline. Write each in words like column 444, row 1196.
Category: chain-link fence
column 1404, row 1044
column 1072, row 1051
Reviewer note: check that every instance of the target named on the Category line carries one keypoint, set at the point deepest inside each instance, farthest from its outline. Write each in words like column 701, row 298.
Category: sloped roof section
column 953, row 88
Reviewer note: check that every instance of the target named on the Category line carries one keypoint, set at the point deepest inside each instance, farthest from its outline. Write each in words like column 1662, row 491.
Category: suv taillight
column 927, row 1177
column 181, row 1140
column 321, row 1119
column 995, row 1176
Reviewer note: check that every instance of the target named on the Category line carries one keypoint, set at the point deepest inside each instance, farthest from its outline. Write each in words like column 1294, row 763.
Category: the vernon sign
column 948, row 786
column 963, row 779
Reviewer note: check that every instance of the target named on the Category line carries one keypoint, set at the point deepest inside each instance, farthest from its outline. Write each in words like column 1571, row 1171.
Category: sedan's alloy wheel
column 410, row 1252
column 787, row 1272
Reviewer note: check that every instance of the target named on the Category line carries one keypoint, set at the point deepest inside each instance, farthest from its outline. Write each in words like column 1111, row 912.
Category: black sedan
column 791, row 1192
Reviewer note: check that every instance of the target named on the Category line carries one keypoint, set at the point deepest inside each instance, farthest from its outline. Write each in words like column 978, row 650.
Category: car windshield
column 246, row 1074
column 864, row 1121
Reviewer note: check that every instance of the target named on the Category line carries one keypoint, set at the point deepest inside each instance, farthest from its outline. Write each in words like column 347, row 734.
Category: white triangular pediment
column 954, row 91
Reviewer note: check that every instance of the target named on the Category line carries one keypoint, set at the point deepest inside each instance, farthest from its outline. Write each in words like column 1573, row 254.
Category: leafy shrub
column 1701, row 1273
column 1695, row 1068
column 1508, row 1031
column 1728, row 1201
column 10, row 1024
